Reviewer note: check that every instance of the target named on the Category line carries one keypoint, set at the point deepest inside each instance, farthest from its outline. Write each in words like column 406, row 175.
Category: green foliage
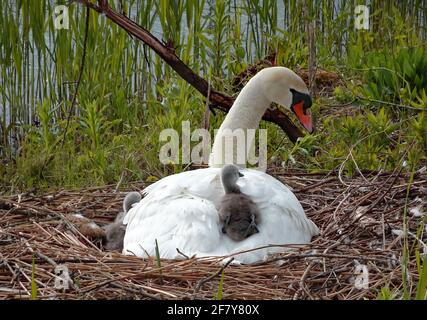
column 304, row 148
column 386, row 294
column 422, row 282
column 46, row 120
column 92, row 154
column 127, row 94
column 396, row 75
column 94, row 124
column 342, row 95
column 418, row 127
column 372, row 140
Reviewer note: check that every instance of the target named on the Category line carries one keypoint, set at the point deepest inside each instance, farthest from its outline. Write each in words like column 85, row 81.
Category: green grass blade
column 422, row 282
column 218, row 295
column 33, row 281
column 158, row 263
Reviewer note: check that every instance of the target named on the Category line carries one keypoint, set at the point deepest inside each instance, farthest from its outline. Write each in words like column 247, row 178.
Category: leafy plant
column 386, row 294
column 422, row 282
column 398, row 77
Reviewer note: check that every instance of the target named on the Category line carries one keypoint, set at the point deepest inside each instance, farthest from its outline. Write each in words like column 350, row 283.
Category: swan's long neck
column 246, row 113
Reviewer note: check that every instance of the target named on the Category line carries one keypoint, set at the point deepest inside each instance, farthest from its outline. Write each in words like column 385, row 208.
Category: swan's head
column 230, row 173
column 283, row 86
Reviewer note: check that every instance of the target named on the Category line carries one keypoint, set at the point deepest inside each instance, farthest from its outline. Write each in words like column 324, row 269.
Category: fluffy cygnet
column 238, row 213
column 115, row 232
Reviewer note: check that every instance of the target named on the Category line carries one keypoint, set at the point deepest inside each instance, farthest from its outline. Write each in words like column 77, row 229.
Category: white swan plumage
column 181, row 211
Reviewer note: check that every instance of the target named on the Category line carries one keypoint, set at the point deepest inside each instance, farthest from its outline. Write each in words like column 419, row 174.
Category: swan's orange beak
column 303, row 116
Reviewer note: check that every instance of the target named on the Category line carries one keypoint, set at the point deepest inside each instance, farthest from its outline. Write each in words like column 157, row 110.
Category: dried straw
column 360, row 221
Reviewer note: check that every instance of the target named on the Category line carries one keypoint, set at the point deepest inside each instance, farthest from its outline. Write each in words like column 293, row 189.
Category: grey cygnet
column 237, row 212
column 115, row 232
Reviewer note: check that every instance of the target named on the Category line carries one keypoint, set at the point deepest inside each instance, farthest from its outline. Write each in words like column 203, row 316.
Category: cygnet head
column 241, row 225
column 283, row 86
column 230, row 173
column 130, row 199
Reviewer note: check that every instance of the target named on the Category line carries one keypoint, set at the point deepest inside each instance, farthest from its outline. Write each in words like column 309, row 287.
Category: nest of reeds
column 361, row 249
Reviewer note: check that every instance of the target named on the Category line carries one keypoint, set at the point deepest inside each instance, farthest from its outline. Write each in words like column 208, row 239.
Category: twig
column 182, row 254
column 46, row 258
column 122, row 176
column 390, row 103
column 141, row 291
column 216, row 274
column 304, row 277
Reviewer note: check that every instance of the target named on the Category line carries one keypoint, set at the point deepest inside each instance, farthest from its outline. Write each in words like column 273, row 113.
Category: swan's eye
column 298, row 97
column 300, row 104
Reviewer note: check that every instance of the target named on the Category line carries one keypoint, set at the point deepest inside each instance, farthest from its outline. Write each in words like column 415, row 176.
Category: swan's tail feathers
column 314, row 230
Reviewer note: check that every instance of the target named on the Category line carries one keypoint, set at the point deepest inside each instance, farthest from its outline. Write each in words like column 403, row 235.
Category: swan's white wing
column 186, row 222
column 281, row 212
column 177, row 212
column 204, row 183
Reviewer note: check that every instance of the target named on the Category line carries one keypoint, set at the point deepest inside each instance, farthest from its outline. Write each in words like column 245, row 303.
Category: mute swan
column 115, row 232
column 237, row 212
column 181, row 211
